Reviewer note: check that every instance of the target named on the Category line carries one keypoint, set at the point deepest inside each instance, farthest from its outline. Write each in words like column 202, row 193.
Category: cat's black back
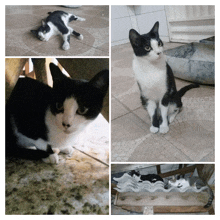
column 149, row 177
column 55, row 18
column 27, row 105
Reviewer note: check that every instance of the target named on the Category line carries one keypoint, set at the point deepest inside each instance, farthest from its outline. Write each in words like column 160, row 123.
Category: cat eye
column 147, row 48
column 160, row 44
column 59, row 106
column 82, row 111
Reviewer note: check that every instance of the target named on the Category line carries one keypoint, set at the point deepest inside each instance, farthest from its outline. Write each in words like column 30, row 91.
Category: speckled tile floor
column 21, row 42
column 77, row 185
column 191, row 135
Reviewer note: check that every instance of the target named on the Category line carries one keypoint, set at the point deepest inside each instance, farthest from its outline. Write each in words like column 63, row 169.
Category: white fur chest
column 151, row 77
column 53, row 30
column 56, row 137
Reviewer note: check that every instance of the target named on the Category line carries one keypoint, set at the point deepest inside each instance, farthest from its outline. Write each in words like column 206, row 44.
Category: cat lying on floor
column 155, row 79
column 57, row 24
column 50, row 118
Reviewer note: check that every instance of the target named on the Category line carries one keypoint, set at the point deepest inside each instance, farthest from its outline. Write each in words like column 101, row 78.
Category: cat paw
column 68, row 150
column 53, row 159
column 66, row 46
column 154, row 129
column 171, row 118
column 164, row 130
column 80, row 37
column 81, row 19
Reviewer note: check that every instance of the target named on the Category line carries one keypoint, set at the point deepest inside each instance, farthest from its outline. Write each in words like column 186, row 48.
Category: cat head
column 77, row 102
column 135, row 174
column 42, row 33
column 178, row 182
column 149, row 45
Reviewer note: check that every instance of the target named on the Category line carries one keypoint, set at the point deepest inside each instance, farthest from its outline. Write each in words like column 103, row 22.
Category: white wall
column 141, row 18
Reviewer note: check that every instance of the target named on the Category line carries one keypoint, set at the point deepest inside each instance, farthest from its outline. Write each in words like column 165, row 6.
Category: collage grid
column 113, row 164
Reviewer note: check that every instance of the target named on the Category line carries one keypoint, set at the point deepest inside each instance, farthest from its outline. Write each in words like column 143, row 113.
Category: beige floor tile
column 121, row 75
column 128, row 94
column 118, row 109
column 191, row 135
column 194, row 140
column 157, row 149
column 143, row 115
column 128, row 127
column 21, row 19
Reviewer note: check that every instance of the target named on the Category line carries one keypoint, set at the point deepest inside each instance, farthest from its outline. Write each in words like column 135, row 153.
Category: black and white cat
column 194, row 182
column 57, row 24
column 149, row 177
column 50, row 118
column 155, row 79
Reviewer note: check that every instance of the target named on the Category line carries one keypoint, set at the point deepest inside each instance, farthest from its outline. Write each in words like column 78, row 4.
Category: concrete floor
column 191, row 135
column 21, row 42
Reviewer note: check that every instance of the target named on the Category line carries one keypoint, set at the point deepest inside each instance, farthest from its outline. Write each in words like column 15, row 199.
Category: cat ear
column 134, row 37
column 101, row 81
column 43, row 23
column 56, row 73
column 34, row 32
column 155, row 28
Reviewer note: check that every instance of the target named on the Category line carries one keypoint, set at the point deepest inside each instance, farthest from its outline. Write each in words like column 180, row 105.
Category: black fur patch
column 140, row 42
column 76, row 33
column 55, row 18
column 88, row 94
column 30, row 100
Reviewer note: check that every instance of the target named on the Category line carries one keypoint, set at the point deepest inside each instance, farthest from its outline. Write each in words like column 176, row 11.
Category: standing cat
column 149, row 177
column 49, row 118
column 155, row 79
column 194, row 182
column 57, row 24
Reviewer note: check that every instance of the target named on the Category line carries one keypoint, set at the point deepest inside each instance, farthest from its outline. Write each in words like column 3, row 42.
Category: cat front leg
column 151, row 107
column 66, row 42
column 67, row 150
column 164, row 127
column 53, row 157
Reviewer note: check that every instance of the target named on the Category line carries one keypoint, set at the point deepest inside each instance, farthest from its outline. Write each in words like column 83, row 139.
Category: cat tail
column 211, row 197
column 183, row 90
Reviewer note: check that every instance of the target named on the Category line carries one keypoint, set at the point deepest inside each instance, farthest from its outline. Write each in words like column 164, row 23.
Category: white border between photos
column 113, row 2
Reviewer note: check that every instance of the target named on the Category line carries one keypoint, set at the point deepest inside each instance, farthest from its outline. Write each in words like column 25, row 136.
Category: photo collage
column 110, row 110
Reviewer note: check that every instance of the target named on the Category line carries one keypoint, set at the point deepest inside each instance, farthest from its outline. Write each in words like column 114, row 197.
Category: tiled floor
column 21, row 42
column 191, row 135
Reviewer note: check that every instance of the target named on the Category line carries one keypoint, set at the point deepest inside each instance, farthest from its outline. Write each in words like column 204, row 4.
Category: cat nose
column 158, row 53
column 65, row 125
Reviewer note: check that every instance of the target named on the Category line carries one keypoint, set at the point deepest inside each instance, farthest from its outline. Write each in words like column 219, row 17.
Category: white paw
column 164, row 130
column 154, row 129
column 66, row 46
column 81, row 19
column 80, row 37
column 170, row 118
column 53, row 158
column 68, row 150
